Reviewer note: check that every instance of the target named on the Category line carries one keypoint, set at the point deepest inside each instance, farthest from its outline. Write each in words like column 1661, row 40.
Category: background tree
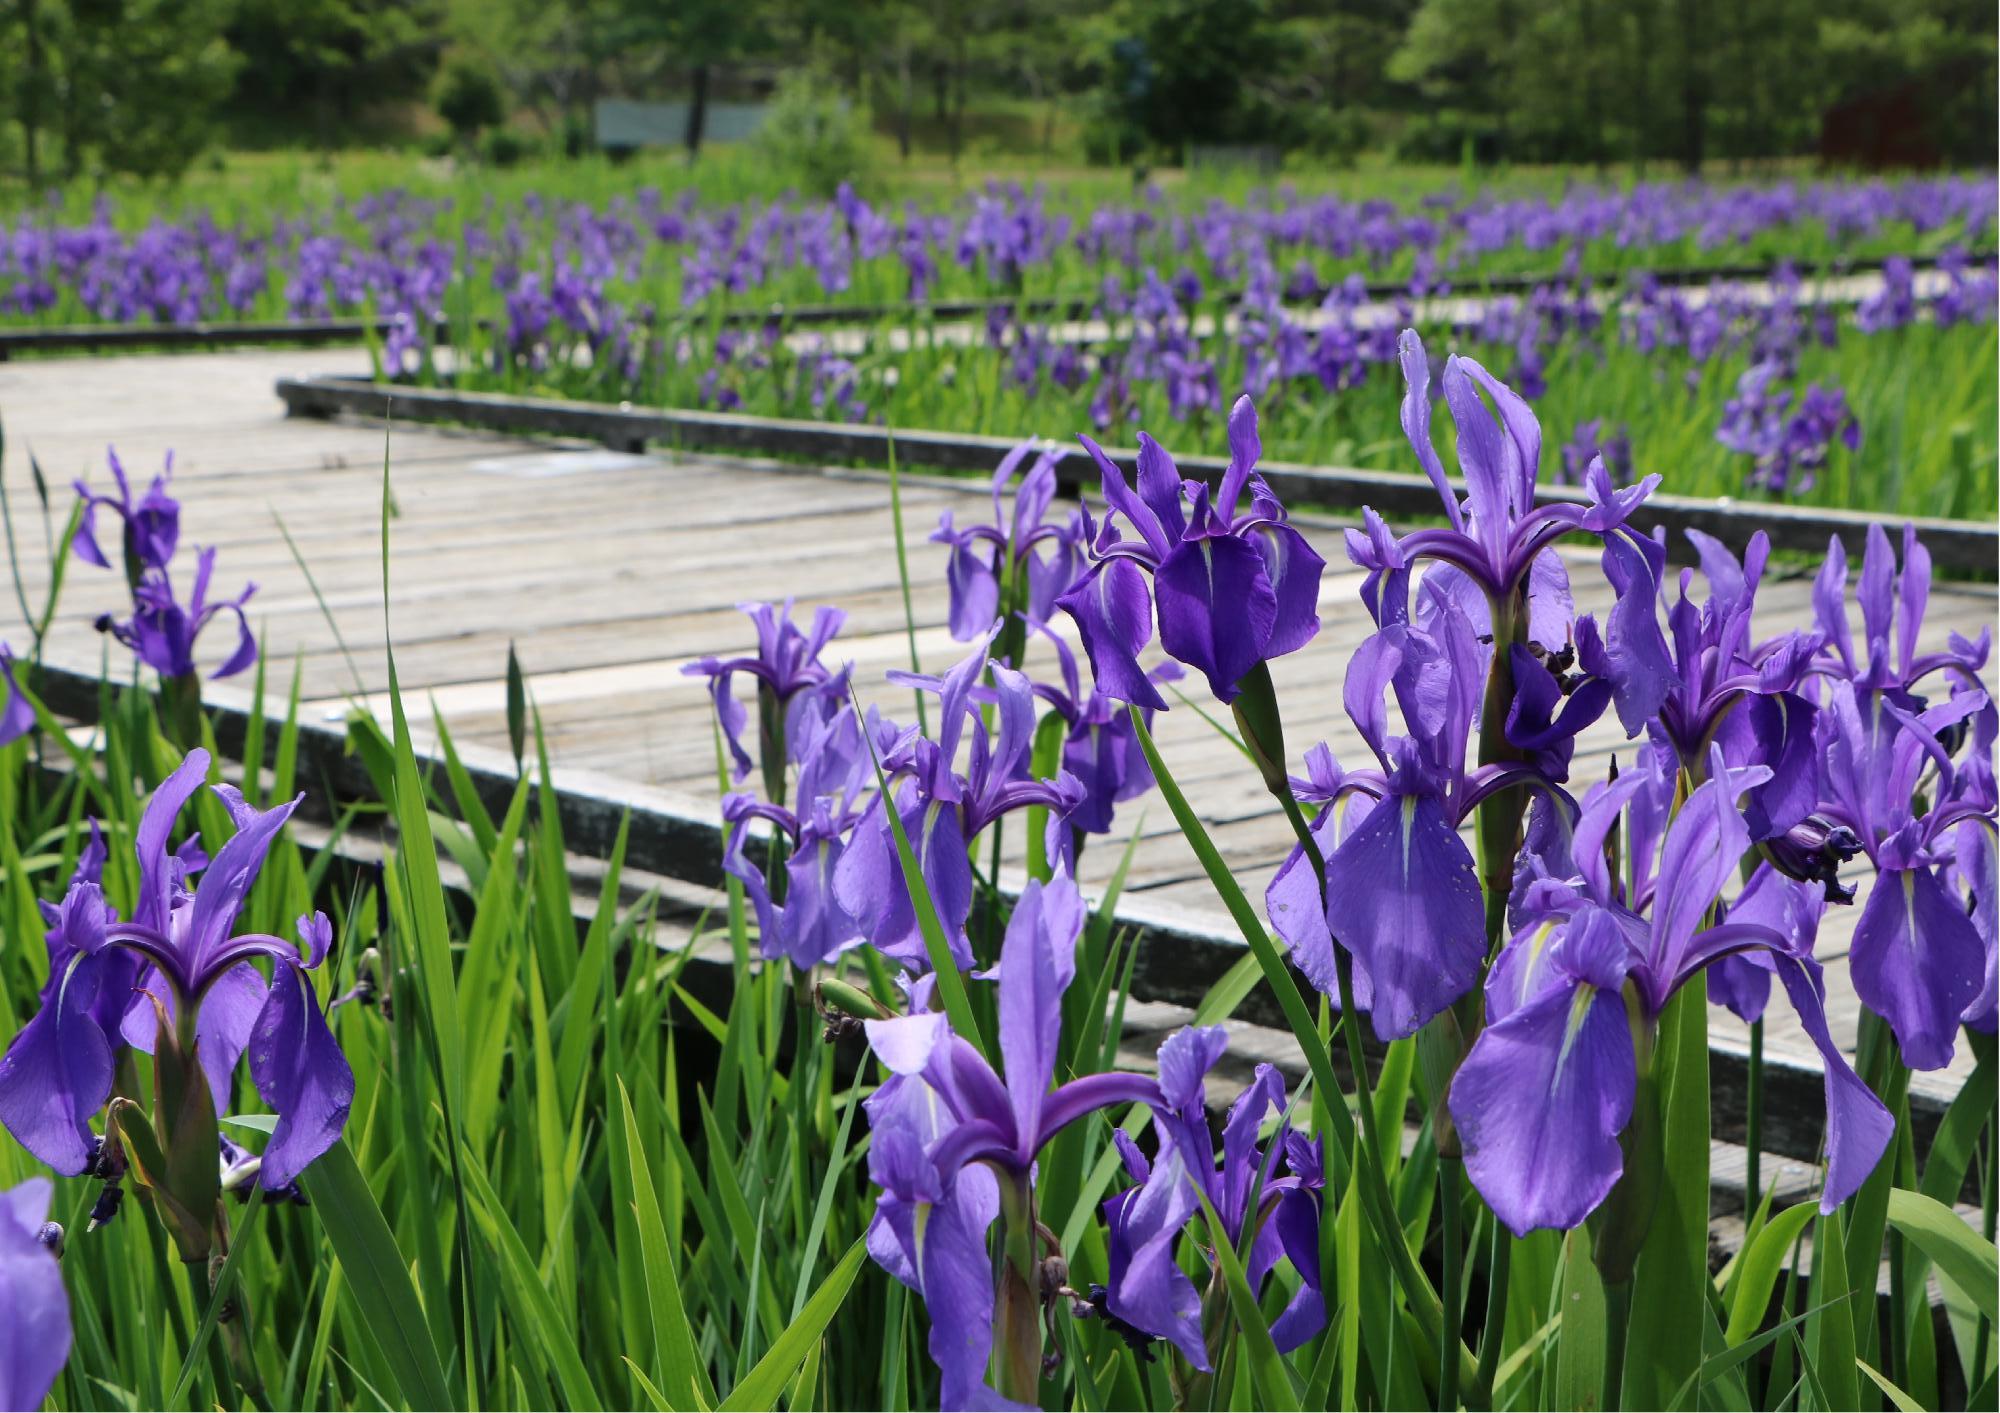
column 329, row 60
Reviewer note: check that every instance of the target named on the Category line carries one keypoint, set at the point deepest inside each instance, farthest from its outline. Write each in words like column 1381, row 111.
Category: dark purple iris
column 1148, row 1290
column 162, row 631
column 1399, row 878
column 1232, row 590
column 1020, row 558
column 152, row 522
column 1101, row 746
column 785, row 666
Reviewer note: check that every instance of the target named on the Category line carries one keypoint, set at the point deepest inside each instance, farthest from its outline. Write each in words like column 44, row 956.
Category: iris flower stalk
column 1234, row 588
column 1497, row 559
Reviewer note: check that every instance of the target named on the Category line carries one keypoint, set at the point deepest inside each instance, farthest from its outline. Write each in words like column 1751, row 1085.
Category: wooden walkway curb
column 1964, row 546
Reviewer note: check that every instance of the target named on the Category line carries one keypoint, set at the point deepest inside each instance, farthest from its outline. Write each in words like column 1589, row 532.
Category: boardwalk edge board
column 1179, row 954
column 1965, row 546
column 223, row 333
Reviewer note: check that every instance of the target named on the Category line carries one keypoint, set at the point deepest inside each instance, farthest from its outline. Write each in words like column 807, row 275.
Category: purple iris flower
column 807, row 924
column 1010, row 552
column 1148, row 1290
column 943, row 811
column 1101, row 747
column 1892, row 601
column 1918, row 958
column 1726, row 687
column 1742, row 981
column 17, row 715
column 34, row 1306
column 1576, row 995
column 152, row 522
column 162, row 631
column 57, row 1072
column 1401, row 880
column 946, row 1131
column 1497, row 550
column 1976, row 871
column 1232, row 590
column 786, row 664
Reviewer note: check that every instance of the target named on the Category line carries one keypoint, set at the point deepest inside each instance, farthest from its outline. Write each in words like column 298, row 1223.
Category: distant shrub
column 503, row 147
column 469, row 97
column 814, row 136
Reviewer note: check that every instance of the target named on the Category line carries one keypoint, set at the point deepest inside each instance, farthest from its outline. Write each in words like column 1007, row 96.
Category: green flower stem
column 1017, row 1321
column 1451, row 1177
column 1617, row 1317
column 1753, row 1121
column 1499, row 1268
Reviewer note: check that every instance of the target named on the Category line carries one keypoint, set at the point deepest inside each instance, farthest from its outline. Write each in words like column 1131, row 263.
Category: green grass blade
column 682, row 1376
column 1267, row 1366
column 760, row 1389
column 377, row 1276
column 1963, row 1257
column 1757, row 1270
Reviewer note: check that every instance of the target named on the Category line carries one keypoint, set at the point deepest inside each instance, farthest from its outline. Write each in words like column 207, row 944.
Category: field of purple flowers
column 1792, row 383
column 628, row 258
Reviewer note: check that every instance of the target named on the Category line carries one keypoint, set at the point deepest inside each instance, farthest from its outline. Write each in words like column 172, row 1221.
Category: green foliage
column 1693, row 80
column 468, row 96
column 813, row 138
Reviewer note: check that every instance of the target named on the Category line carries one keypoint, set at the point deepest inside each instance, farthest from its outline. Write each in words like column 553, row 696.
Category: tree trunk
column 697, row 118
column 956, row 127
column 1642, row 87
column 905, row 96
column 31, row 92
column 1693, row 101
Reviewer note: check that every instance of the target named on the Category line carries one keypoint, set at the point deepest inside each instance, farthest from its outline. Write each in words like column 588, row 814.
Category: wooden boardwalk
column 609, row 572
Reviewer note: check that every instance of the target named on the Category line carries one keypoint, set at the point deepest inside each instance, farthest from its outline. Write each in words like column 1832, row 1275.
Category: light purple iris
column 1550, row 1083
column 1148, row 1290
column 162, row 631
column 1919, row 960
column 57, row 1073
column 1892, row 602
column 1918, row 957
column 786, row 664
column 1400, row 880
column 152, row 522
column 17, row 715
column 1498, row 550
column 34, row 1306
column 1101, row 747
column 1032, row 560
column 1233, row 590
column 947, row 1131
column 943, row 810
